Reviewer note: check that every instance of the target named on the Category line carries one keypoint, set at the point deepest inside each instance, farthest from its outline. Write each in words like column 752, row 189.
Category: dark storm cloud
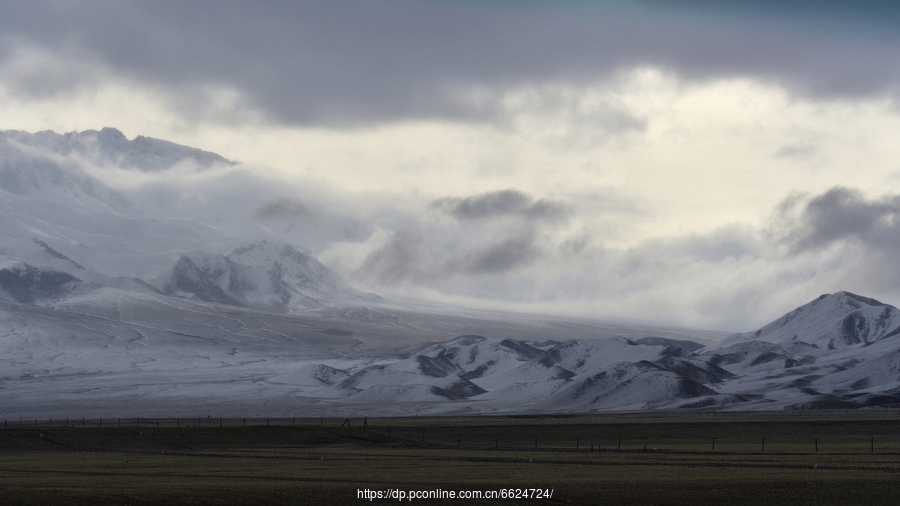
column 350, row 62
column 283, row 209
column 500, row 203
column 838, row 214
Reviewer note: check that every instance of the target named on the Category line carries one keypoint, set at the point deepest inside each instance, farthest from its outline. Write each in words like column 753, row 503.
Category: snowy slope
column 110, row 349
column 506, row 375
column 809, row 358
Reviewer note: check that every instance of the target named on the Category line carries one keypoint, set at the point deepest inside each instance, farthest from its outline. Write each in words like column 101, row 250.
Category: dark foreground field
column 733, row 460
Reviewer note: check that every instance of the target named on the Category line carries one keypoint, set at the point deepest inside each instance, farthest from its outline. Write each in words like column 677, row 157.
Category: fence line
column 520, row 435
column 202, row 421
column 208, row 421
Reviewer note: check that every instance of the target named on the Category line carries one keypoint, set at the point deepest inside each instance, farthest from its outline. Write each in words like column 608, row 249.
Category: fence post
column 764, row 444
column 577, row 441
column 817, row 444
column 714, row 444
column 872, row 447
column 618, row 448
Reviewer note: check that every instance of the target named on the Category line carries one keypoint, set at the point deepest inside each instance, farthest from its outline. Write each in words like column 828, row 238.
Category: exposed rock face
column 26, row 284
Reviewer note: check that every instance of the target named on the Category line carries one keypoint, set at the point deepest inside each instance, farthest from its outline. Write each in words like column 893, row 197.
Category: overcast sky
column 699, row 163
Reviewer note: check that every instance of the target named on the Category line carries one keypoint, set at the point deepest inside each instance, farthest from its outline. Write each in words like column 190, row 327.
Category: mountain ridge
column 110, row 146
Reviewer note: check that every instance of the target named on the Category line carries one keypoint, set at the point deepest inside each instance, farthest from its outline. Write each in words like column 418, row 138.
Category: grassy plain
column 733, row 460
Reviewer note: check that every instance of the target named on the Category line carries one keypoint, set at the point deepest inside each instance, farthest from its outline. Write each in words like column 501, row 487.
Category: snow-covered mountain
column 829, row 322
column 109, row 146
column 840, row 350
column 106, row 308
column 261, row 274
column 63, row 231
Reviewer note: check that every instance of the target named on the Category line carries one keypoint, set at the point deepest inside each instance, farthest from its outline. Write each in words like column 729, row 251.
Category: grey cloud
column 349, row 62
column 796, row 151
column 735, row 277
column 729, row 242
column 286, row 208
column 500, row 203
column 587, row 121
column 576, row 245
column 400, row 260
column 501, row 257
column 806, row 223
column 844, row 236
column 409, row 257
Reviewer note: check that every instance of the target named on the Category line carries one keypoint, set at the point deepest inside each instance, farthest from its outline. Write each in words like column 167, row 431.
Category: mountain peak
column 268, row 252
column 852, row 298
column 260, row 274
column 830, row 321
column 112, row 133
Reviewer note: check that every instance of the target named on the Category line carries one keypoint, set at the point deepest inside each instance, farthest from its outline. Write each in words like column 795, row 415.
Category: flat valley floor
column 797, row 458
